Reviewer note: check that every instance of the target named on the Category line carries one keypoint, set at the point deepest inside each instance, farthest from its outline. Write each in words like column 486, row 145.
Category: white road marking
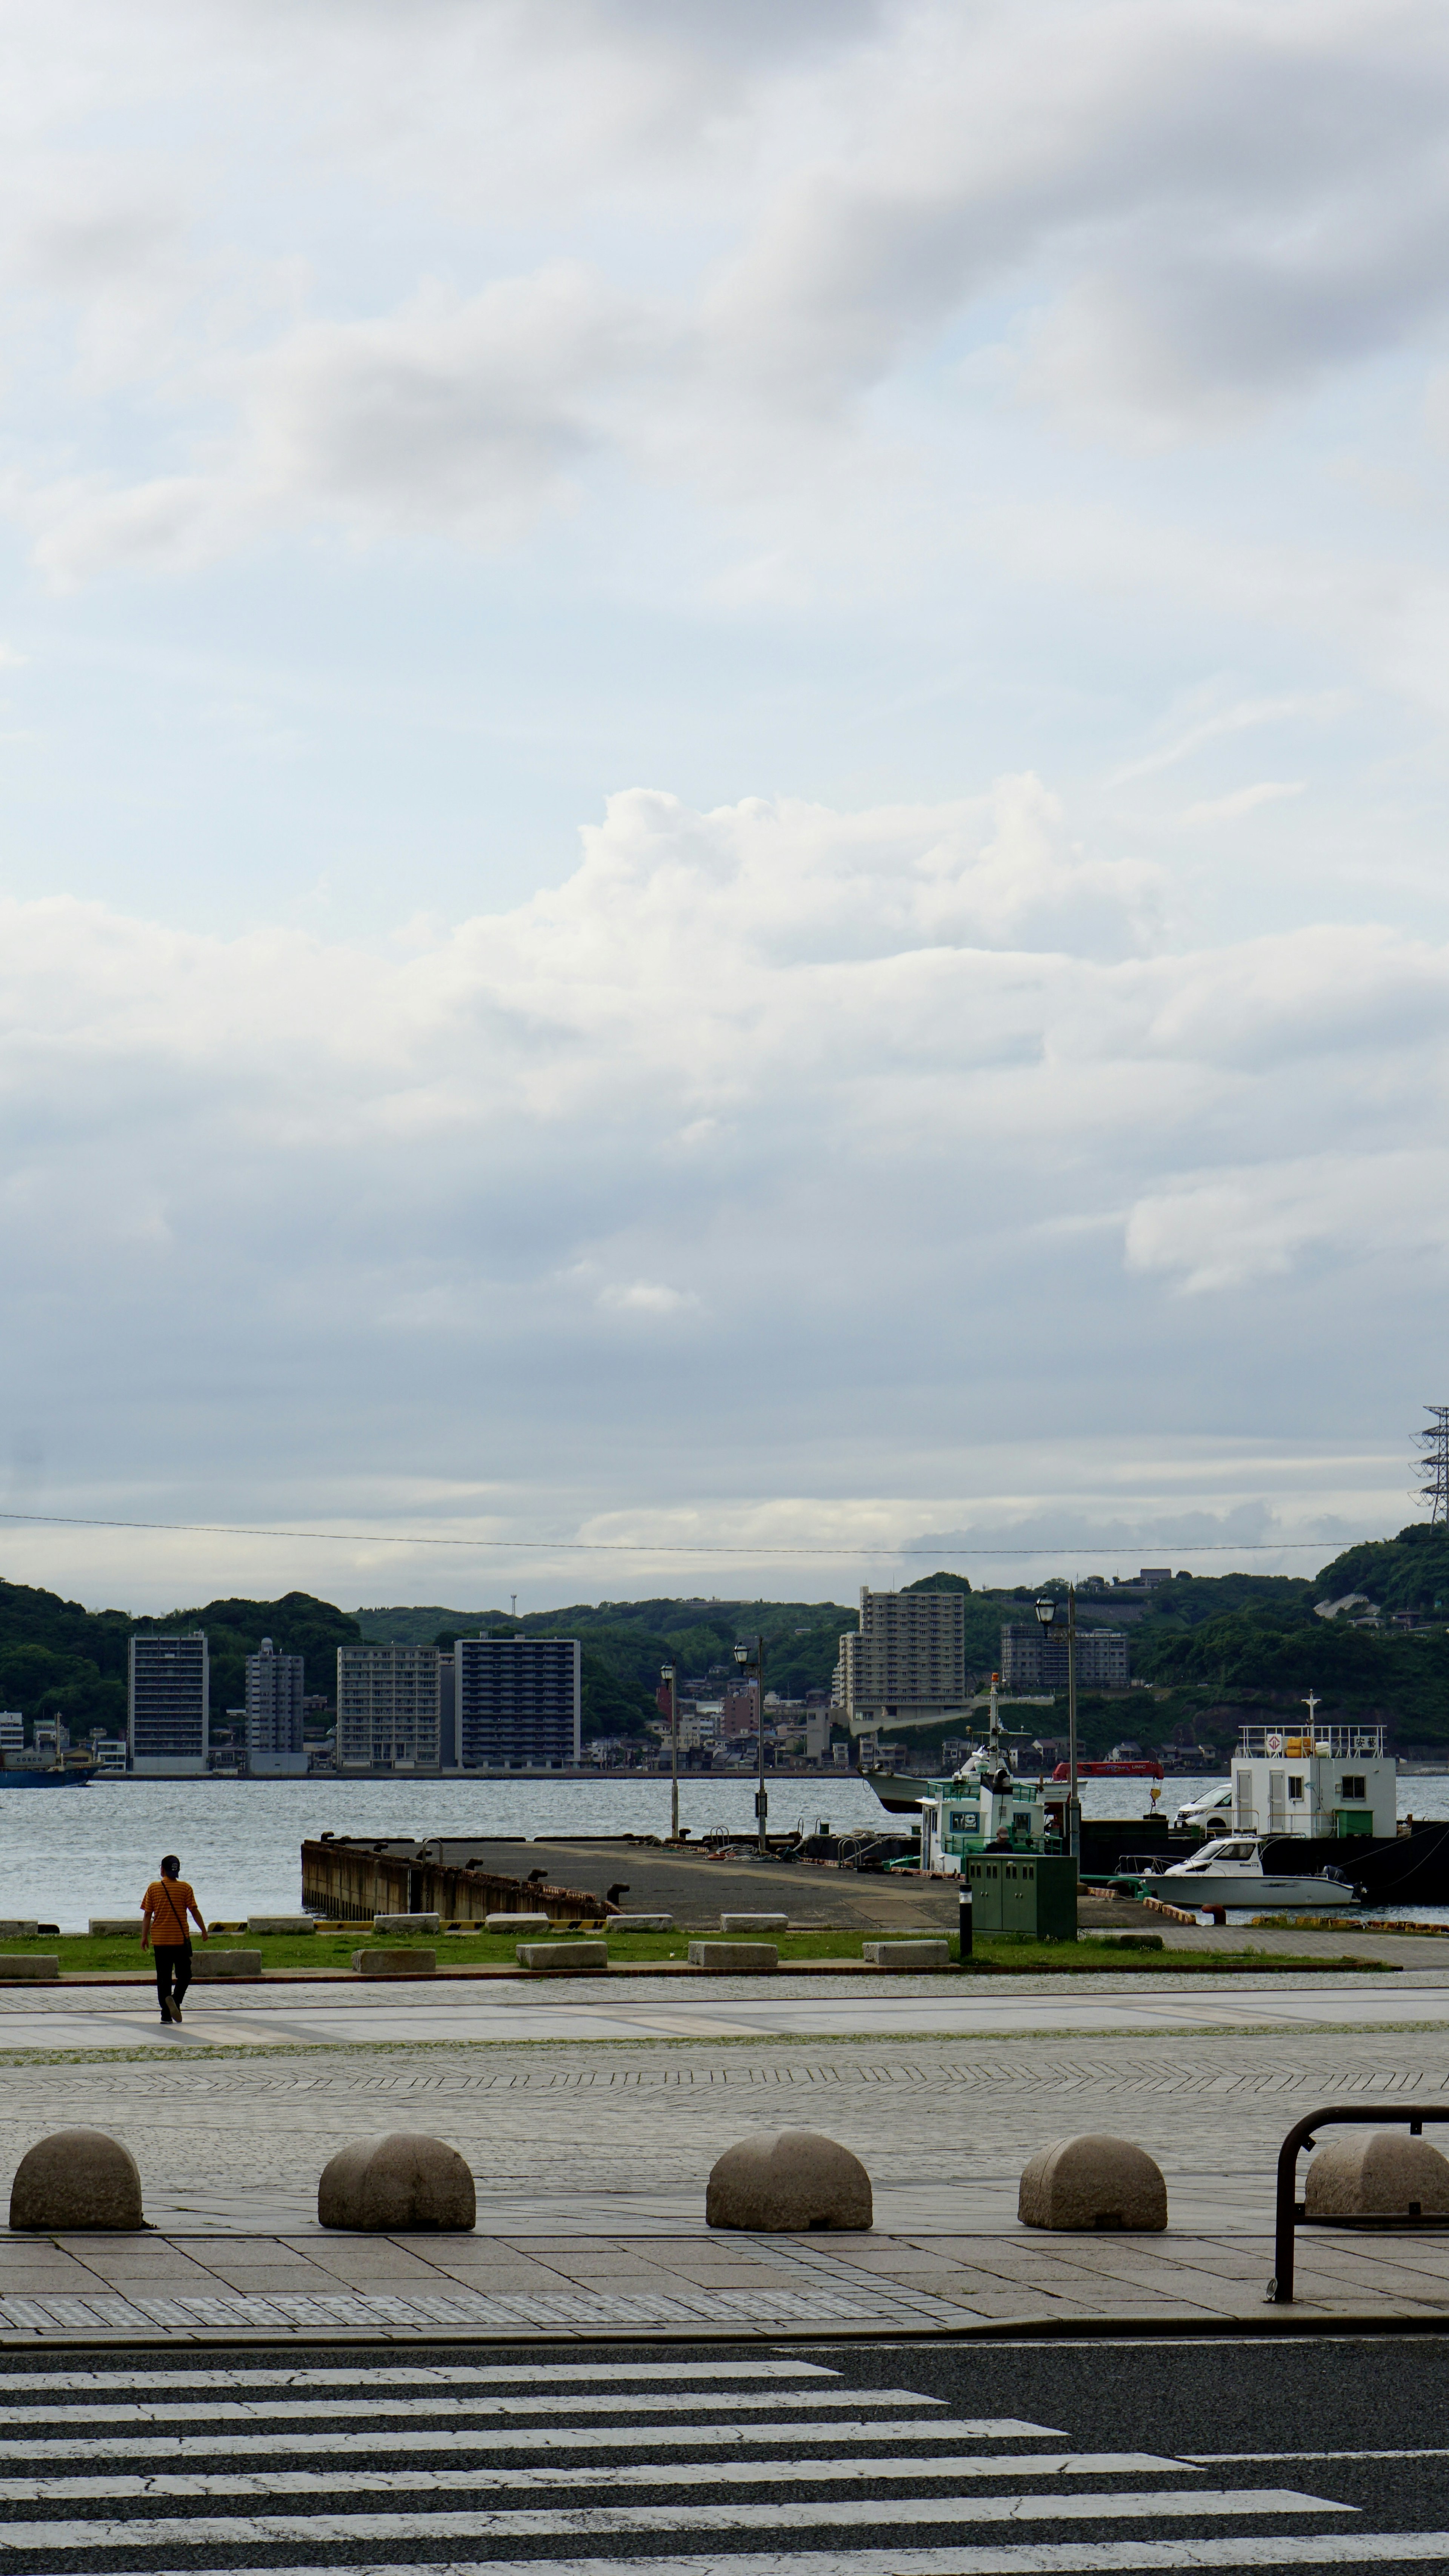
column 193, row 2531
column 1032, row 2558
column 677, row 2473
column 440, row 2375
column 649, row 2403
column 159, row 2447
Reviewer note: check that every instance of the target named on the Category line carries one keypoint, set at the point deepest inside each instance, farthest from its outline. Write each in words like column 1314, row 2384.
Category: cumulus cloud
column 451, row 414
column 821, row 1106
column 1167, row 224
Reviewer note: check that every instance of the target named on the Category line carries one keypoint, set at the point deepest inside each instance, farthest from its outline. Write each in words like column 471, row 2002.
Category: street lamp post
column 750, row 1656
column 1046, row 1611
column 670, row 1673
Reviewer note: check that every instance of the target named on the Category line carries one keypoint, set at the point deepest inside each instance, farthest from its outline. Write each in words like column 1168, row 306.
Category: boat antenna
column 1313, row 1704
column 993, row 1732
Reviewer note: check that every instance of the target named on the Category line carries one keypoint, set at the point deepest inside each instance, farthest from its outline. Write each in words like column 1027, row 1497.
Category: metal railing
column 1292, row 2213
column 1299, row 1743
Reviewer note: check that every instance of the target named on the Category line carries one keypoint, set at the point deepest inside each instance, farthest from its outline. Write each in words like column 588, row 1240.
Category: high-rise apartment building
column 387, row 1708
column 905, row 1664
column 169, row 1727
column 1033, row 1661
column 520, row 1702
column 276, row 1747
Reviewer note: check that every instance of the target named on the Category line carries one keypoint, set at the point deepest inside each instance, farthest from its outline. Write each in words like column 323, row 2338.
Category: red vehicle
column 1141, row 1770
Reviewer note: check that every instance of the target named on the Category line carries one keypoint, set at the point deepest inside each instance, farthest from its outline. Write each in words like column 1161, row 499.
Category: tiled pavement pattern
column 591, row 2166
column 179, row 2287
column 763, row 2467
column 591, row 2162
column 944, row 2127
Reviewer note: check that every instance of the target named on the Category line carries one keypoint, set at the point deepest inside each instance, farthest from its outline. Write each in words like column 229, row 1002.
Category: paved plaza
column 591, row 2118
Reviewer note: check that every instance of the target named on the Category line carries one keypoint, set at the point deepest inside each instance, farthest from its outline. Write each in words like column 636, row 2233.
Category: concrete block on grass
column 906, row 1957
column 734, row 1958
column 395, row 1963
column 381, row 2184
column 516, row 1922
column 288, row 1923
column 115, row 1927
column 1093, row 2182
column 752, row 1923
column 18, row 1929
column 207, row 1963
column 407, row 1922
column 77, row 2178
column 583, row 1957
column 641, row 1923
column 1378, row 2173
column 25, row 1968
column 786, row 2180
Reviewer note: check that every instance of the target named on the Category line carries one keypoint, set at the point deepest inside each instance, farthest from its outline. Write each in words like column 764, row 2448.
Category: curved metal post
column 1342, row 2115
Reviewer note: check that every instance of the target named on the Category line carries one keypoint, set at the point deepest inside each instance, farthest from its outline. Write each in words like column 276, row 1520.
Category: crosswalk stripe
column 752, row 2473
column 503, row 2409
column 442, row 2375
column 242, row 2530
column 1033, row 2558
column 159, row 2447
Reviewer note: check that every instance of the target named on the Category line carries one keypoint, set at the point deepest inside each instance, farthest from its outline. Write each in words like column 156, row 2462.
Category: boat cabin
column 1320, row 1781
column 973, row 1811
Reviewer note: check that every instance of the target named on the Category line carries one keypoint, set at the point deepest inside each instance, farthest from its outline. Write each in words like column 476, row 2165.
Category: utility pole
column 1074, row 1804
column 1046, row 1611
column 750, row 1656
column 670, row 1674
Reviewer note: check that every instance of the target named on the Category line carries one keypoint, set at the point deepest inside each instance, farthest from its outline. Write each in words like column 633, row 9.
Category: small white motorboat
column 1231, row 1872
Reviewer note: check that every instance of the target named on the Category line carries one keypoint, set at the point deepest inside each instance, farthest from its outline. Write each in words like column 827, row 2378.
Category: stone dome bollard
column 1378, row 2173
column 787, row 2179
column 77, row 2178
column 1092, row 2182
column 401, row 2180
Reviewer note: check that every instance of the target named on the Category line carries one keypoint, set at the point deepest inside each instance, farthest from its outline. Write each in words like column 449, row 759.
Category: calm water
column 66, row 1854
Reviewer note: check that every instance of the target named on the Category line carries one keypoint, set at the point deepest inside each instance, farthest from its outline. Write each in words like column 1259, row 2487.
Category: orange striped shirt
column 166, row 1901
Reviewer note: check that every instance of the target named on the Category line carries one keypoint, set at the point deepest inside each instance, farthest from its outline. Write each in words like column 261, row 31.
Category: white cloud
column 1236, row 1227
column 1242, row 800
column 742, row 233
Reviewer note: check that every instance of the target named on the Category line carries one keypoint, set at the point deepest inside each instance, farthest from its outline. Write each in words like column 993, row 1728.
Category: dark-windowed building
column 170, row 1715
column 519, row 1702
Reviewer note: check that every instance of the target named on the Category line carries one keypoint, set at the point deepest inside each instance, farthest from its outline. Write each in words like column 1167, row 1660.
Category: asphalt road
column 901, row 2459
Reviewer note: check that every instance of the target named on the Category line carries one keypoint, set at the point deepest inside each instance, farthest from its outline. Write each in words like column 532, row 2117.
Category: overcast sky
column 723, row 786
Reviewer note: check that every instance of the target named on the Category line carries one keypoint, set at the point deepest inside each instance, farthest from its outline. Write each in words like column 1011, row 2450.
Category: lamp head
column 742, row 1654
column 1046, row 1612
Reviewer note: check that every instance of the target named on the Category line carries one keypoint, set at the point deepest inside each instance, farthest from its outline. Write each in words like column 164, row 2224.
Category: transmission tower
column 1435, row 1463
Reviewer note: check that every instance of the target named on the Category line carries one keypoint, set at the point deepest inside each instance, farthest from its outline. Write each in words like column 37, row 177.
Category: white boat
column 1231, row 1872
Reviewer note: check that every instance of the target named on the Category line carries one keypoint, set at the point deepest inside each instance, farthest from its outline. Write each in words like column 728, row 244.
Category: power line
column 651, row 1547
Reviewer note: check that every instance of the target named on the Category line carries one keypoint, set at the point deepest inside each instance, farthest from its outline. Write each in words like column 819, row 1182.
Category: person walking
column 164, row 1909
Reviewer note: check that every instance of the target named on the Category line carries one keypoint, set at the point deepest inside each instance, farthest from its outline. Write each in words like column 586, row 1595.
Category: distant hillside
column 1410, row 1572
column 1213, row 1645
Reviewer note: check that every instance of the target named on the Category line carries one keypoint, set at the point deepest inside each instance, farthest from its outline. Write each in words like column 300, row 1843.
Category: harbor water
column 66, row 1854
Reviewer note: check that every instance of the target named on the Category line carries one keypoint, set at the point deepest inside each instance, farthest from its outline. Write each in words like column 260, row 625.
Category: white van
column 1213, row 1811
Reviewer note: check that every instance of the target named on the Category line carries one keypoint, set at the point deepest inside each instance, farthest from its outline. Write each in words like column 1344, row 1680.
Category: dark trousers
column 173, row 1970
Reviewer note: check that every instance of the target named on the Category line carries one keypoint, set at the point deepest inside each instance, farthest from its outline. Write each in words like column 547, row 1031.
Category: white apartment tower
column 389, row 1708
column 905, row 1664
column 276, row 1749
column 169, row 1727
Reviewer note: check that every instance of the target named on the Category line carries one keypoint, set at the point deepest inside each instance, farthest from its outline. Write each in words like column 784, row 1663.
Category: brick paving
column 591, row 2160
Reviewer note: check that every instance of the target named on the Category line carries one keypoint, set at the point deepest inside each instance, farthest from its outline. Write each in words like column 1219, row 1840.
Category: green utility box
column 1353, row 1820
column 1013, row 1892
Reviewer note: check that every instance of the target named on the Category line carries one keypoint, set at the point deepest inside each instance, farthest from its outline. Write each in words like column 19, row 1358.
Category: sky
column 722, row 771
